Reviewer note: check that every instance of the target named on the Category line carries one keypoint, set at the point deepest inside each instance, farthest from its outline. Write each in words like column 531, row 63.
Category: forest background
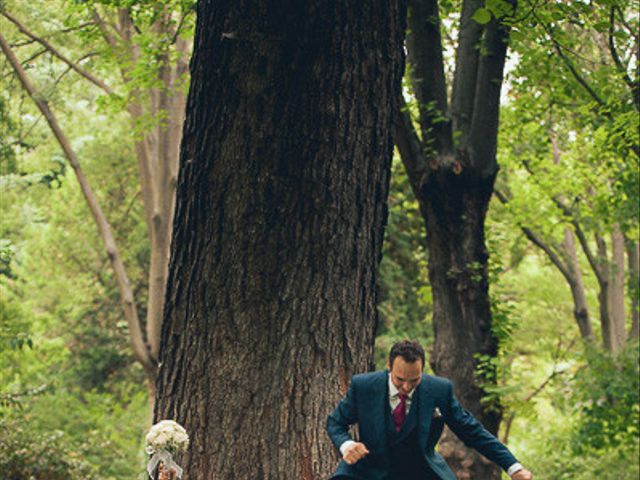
column 562, row 232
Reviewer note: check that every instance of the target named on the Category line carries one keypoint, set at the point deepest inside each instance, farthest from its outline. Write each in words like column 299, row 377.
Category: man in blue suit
column 400, row 414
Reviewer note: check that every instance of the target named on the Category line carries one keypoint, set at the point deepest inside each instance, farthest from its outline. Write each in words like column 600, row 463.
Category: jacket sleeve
column 473, row 434
column 345, row 414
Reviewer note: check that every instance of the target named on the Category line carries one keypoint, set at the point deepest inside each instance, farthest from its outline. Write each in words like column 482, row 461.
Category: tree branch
column 104, row 29
column 541, row 244
column 410, row 149
column 56, row 53
column 34, row 56
column 424, row 47
column 570, row 65
column 587, row 251
column 483, row 136
column 632, row 31
column 554, row 373
column 633, row 86
column 464, row 83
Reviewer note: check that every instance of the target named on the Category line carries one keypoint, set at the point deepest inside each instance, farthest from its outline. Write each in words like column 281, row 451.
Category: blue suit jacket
column 364, row 404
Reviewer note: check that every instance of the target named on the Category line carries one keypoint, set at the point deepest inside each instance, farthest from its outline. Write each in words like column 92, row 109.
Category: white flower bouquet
column 165, row 439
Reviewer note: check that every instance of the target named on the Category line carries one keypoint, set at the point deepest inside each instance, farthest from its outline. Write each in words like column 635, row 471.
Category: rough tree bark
column 452, row 168
column 580, row 306
column 280, row 213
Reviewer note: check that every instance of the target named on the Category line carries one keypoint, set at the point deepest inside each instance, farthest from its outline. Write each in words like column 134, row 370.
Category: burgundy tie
column 400, row 412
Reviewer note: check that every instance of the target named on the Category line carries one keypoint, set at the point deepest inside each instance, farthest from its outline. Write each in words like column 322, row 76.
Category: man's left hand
column 523, row 474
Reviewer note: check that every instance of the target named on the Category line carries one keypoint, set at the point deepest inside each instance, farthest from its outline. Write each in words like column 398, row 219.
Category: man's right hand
column 354, row 453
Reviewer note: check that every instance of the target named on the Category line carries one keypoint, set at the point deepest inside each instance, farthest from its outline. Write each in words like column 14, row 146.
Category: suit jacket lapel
column 425, row 410
column 378, row 412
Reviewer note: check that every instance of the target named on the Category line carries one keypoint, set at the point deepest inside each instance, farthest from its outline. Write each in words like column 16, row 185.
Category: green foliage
column 606, row 396
column 404, row 295
column 14, row 329
column 29, row 454
column 73, row 402
column 593, row 432
column 571, row 85
column 482, row 16
column 552, row 457
column 493, row 372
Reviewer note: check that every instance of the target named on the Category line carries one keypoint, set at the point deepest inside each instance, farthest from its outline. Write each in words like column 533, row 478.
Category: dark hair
column 409, row 350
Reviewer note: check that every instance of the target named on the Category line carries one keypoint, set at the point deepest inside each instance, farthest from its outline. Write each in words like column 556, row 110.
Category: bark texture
column 280, row 214
column 609, row 272
column 456, row 207
column 580, row 306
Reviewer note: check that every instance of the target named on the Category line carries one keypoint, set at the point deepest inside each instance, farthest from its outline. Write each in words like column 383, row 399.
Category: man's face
column 404, row 375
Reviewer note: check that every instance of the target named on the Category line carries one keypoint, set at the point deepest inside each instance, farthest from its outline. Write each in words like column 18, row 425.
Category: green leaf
column 482, row 16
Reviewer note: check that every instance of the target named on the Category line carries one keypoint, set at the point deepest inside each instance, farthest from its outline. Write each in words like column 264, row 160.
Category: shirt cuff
column 348, row 443
column 516, row 467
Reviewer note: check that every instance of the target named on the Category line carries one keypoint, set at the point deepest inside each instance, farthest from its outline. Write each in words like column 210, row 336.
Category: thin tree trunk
column 572, row 266
column 565, row 259
column 633, row 255
column 617, row 290
column 580, row 307
column 170, row 105
column 279, row 224
column 157, row 151
column 603, row 295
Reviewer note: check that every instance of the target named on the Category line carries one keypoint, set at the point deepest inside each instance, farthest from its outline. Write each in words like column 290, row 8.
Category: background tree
column 280, row 218
column 573, row 136
column 67, row 348
column 451, row 163
column 146, row 44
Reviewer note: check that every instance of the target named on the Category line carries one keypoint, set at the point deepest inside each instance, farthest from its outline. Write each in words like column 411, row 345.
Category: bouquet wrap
column 164, row 440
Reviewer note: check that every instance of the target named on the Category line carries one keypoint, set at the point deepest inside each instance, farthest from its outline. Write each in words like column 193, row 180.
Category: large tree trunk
column 456, row 206
column 278, row 232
